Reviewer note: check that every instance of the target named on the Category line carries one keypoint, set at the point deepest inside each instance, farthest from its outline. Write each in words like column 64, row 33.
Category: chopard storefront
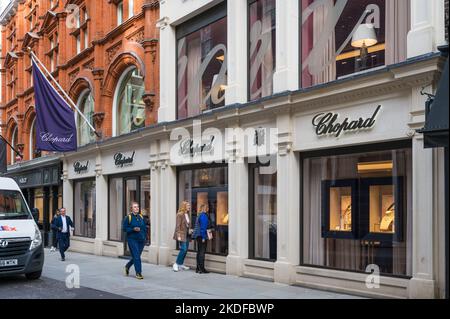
column 101, row 187
column 367, row 200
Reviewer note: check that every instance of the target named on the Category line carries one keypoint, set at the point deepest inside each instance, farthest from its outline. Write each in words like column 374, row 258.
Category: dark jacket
column 129, row 224
column 181, row 228
column 57, row 225
column 201, row 226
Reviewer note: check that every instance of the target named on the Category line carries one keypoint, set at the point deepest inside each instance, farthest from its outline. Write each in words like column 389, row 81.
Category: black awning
column 436, row 124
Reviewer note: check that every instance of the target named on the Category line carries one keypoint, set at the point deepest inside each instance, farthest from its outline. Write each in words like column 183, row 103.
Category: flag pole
column 35, row 58
column 12, row 147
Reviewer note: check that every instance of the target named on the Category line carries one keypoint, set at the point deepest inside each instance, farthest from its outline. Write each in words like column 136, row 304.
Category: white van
column 21, row 248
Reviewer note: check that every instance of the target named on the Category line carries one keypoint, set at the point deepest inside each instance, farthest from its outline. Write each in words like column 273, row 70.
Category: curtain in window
column 194, row 88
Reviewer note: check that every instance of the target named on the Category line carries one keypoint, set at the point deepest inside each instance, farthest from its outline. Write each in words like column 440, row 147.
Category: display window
column 84, row 208
column 356, row 208
column 263, row 213
column 123, row 190
column 207, row 185
column 202, row 63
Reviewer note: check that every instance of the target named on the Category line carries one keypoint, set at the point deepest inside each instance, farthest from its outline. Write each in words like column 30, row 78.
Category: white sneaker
column 52, row 249
column 183, row 267
column 175, row 267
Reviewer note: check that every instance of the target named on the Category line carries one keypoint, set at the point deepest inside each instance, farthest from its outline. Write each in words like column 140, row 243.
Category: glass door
column 131, row 195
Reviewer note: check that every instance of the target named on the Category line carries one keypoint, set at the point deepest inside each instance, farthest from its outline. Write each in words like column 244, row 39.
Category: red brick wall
column 110, row 50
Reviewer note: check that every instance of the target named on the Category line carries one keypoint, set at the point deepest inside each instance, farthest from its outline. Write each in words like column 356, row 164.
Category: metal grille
column 15, row 247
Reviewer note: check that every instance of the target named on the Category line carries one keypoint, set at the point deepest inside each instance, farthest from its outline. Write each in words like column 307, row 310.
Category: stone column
column 101, row 194
column 168, row 49
column 155, row 207
column 423, row 284
column 67, row 190
column 287, row 71
column 168, row 209
column 236, row 91
column 288, row 198
column 427, row 27
column 237, row 210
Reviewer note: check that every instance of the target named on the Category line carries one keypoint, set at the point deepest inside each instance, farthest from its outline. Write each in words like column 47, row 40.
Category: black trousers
column 64, row 243
column 54, row 240
column 201, row 251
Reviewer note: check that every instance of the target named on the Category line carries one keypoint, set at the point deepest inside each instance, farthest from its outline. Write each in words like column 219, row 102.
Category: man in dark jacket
column 136, row 229
column 62, row 225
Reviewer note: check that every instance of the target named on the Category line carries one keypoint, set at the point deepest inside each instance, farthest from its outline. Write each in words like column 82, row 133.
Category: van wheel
column 34, row 275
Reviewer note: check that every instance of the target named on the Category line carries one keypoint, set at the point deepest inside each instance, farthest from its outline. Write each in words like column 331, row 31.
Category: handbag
column 210, row 234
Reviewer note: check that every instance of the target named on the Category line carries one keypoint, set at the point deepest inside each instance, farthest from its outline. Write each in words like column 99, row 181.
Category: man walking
column 61, row 225
column 136, row 229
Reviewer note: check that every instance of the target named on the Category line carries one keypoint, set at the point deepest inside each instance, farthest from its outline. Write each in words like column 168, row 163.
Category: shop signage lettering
column 80, row 168
column 327, row 123
column 23, row 180
column 187, row 147
column 122, row 160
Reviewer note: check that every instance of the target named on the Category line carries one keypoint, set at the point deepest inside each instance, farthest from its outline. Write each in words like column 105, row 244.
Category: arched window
column 32, row 148
column 14, row 142
column 129, row 106
column 86, row 106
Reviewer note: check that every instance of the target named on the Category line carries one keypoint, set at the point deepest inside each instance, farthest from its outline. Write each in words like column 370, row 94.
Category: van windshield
column 12, row 206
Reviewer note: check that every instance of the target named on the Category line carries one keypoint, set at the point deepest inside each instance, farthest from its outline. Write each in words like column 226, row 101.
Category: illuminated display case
column 339, row 209
column 367, row 208
column 382, row 208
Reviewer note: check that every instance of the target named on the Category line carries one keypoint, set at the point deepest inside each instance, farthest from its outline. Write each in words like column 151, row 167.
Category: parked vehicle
column 21, row 248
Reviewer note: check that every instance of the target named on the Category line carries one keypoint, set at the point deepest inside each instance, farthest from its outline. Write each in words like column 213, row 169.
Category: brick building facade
column 88, row 46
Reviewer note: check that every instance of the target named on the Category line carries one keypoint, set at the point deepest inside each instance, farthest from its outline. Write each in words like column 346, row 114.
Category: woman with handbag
column 201, row 236
column 181, row 235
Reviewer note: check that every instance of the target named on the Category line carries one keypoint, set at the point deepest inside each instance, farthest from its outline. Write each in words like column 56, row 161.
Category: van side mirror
column 35, row 214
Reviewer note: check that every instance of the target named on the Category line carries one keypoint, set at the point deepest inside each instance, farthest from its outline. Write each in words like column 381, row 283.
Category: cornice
column 119, row 30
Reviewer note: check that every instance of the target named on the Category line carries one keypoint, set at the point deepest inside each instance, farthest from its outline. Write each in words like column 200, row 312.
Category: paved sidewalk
column 106, row 274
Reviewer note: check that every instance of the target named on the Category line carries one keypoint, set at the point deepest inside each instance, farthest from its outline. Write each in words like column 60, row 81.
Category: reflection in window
column 346, row 36
column 202, row 67
column 84, row 213
column 262, row 48
column 265, row 215
column 86, row 106
column 131, row 107
column 208, row 186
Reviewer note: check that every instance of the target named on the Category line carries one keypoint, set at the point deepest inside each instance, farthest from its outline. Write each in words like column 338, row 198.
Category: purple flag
column 55, row 121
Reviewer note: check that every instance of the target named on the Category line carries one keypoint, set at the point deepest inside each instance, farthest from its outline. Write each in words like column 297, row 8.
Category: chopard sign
column 327, row 123
column 187, row 147
column 80, row 168
column 122, row 160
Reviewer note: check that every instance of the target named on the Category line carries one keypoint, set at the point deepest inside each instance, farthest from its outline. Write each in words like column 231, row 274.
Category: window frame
column 251, row 210
column 74, row 182
column 198, row 22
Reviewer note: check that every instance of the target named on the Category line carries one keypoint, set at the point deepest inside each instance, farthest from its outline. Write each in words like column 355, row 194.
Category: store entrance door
column 131, row 190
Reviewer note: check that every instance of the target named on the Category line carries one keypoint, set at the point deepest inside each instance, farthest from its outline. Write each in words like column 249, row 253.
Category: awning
column 436, row 123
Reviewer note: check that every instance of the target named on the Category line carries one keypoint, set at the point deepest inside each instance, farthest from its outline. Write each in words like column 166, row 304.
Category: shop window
column 84, row 208
column 207, row 186
column 262, row 48
column 344, row 37
column 34, row 153
column 123, row 191
column 86, row 106
column 357, row 210
column 202, row 63
column 130, row 107
column 263, row 210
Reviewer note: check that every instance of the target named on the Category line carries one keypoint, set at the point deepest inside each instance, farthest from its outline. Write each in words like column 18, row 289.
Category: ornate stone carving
column 137, row 36
column 99, row 117
column 73, row 75
column 89, row 65
column 149, row 100
column 112, row 51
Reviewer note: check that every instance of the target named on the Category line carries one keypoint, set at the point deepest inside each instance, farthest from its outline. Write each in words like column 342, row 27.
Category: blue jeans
column 183, row 252
column 136, row 248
